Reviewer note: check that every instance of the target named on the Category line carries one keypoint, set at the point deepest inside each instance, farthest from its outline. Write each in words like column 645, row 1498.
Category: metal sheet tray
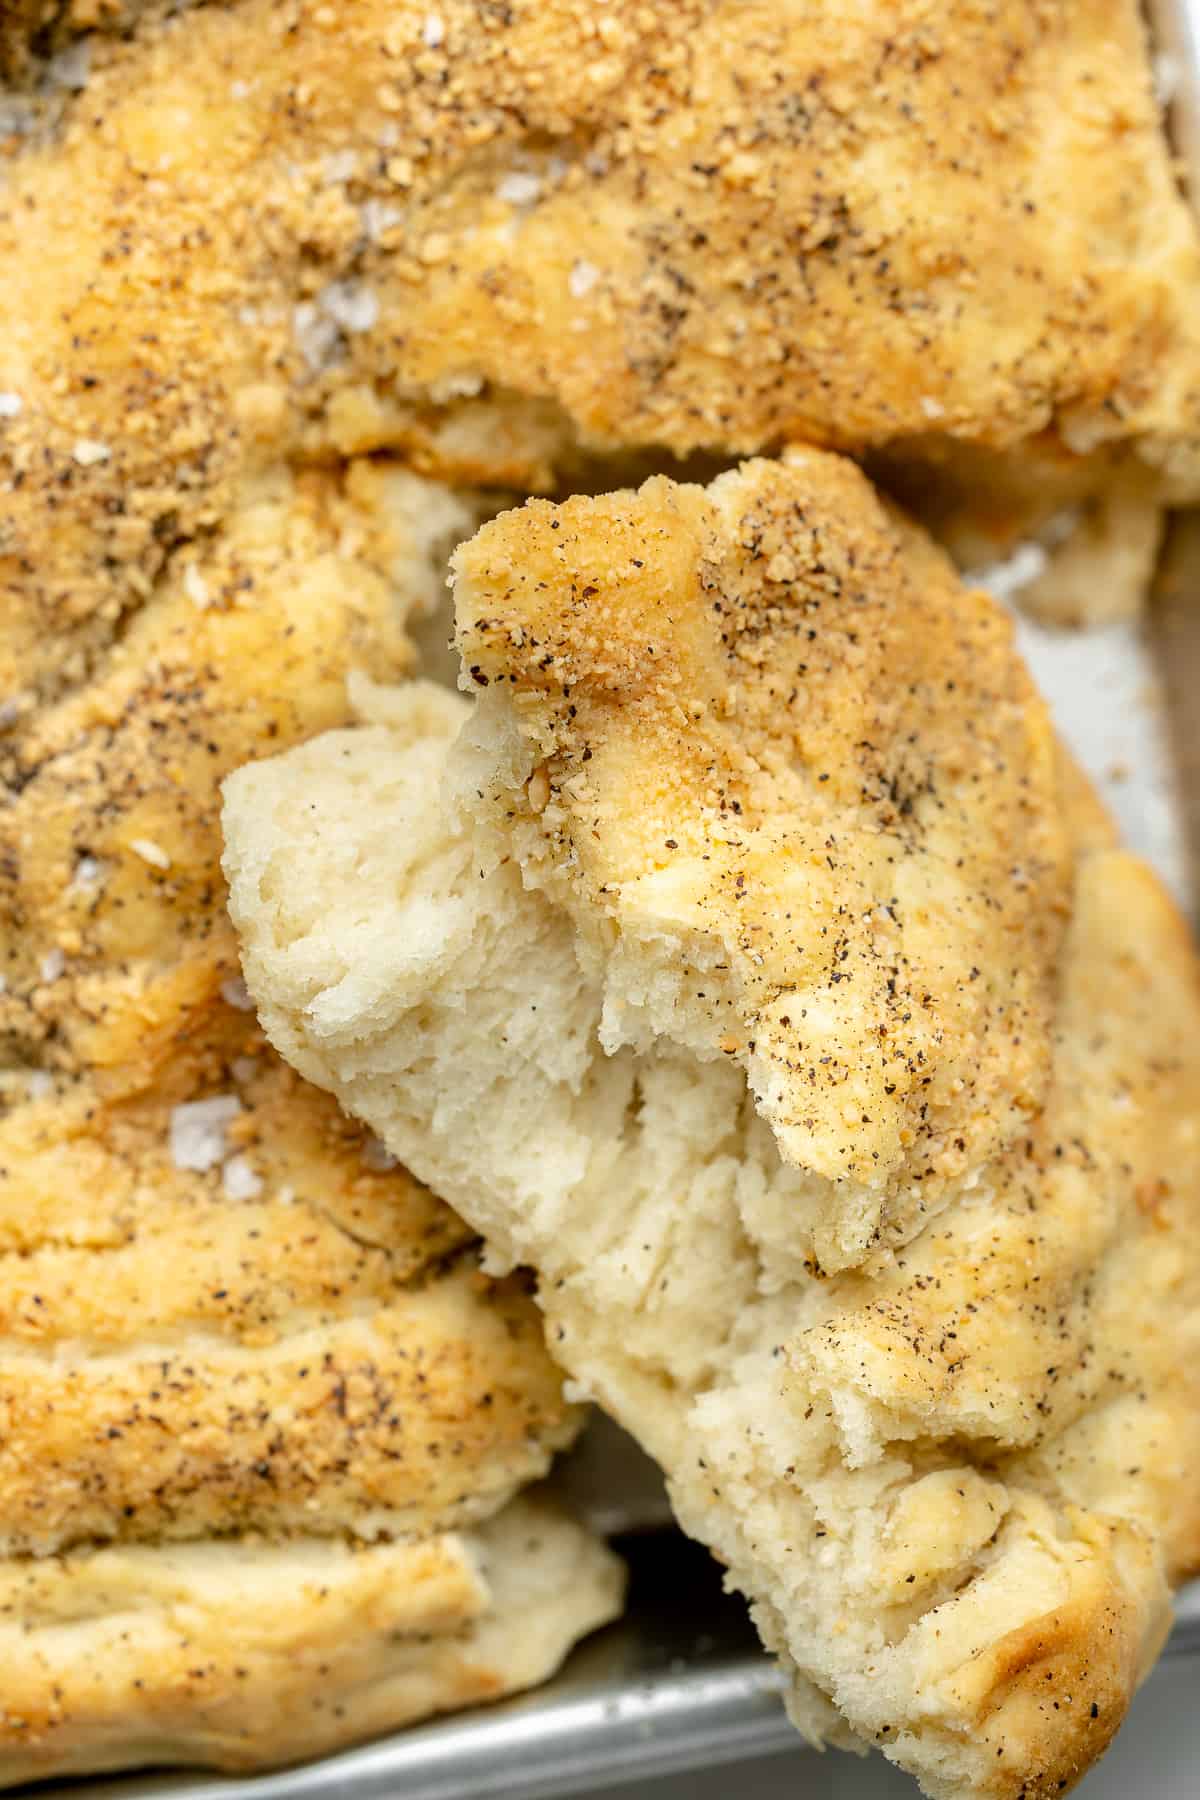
column 680, row 1683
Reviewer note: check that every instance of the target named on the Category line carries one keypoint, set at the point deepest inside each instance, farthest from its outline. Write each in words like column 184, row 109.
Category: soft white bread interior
column 953, row 1463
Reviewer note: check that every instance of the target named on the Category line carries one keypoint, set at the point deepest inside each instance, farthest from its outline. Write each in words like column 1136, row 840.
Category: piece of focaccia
column 264, row 1421
column 480, row 234
column 748, row 963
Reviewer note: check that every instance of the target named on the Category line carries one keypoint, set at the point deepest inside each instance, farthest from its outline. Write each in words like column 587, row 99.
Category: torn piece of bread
column 248, row 1653
column 480, row 235
column 957, row 1476
column 251, row 1372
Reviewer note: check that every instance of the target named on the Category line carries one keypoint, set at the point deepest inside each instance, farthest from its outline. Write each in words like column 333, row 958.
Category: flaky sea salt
column 89, row 451
column 378, row 217
column 71, row 67
column 1167, row 76
column 338, row 166
column 432, row 31
column 150, row 852
column 1006, row 578
column 377, row 1156
column 583, row 278
column 239, row 1179
column 195, row 586
column 933, row 409
column 235, row 993
column 519, row 188
column 53, row 964
column 41, row 1084
column 10, row 405
column 197, row 1131
column 87, row 874
column 350, row 304
column 317, row 336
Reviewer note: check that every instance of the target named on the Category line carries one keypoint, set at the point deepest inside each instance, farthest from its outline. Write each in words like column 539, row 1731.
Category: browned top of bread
column 482, row 231
column 767, row 724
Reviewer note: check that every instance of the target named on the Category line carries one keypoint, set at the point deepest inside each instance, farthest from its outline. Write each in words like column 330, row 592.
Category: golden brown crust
column 957, row 1479
column 766, row 717
column 224, row 1310
column 689, row 223
column 247, row 1654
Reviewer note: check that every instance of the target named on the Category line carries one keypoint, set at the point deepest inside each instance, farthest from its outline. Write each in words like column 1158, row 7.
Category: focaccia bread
column 264, row 1421
column 480, row 235
column 756, row 808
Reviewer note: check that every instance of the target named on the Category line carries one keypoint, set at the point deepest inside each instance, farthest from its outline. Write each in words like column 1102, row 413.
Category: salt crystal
column 235, row 993
column 53, row 964
column 195, row 586
column 378, row 217
column 377, row 1156
column 339, row 165
column 88, row 452
column 239, row 1180
column 238, row 90
column 933, row 409
column 41, row 1083
column 1167, row 76
column 197, row 1131
column 519, row 188
column 71, row 67
column 316, row 335
column 10, row 405
column 150, row 852
column 583, row 278
column 1006, row 578
column 87, row 871
column 353, row 306
column 432, row 31
column 10, row 712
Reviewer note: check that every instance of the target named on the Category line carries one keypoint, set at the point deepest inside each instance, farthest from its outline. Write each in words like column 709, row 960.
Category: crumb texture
column 954, row 1468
